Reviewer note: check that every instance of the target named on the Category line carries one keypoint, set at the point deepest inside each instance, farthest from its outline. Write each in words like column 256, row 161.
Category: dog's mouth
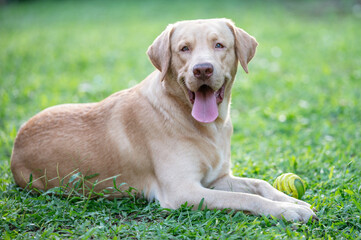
column 205, row 103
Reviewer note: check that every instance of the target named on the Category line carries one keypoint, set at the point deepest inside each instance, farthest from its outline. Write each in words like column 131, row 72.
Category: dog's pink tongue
column 205, row 106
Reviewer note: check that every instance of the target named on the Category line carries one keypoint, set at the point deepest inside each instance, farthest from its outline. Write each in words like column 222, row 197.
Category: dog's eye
column 219, row 45
column 185, row 49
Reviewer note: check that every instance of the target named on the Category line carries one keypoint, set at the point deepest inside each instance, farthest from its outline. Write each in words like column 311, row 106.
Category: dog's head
column 202, row 55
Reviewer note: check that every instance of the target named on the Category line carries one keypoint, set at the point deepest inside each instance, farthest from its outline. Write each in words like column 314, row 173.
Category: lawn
column 298, row 110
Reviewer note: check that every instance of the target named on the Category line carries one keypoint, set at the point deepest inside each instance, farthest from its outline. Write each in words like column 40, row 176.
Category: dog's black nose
column 203, row 71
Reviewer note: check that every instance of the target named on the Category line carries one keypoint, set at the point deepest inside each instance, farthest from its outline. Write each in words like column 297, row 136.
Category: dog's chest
column 215, row 166
column 213, row 173
column 215, row 163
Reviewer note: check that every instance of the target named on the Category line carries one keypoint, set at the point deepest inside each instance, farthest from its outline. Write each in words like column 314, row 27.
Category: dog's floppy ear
column 245, row 45
column 160, row 53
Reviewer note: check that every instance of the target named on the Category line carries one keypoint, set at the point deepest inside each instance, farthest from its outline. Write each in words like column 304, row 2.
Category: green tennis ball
column 291, row 184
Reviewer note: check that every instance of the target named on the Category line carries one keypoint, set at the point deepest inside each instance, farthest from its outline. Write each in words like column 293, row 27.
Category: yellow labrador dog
column 168, row 137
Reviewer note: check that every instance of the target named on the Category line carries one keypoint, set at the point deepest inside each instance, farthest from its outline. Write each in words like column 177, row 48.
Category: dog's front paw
column 299, row 202
column 293, row 212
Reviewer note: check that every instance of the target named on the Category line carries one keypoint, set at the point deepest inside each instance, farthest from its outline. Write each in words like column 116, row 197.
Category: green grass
column 299, row 110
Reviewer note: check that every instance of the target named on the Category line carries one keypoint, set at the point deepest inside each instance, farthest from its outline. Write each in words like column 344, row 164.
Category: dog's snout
column 203, row 71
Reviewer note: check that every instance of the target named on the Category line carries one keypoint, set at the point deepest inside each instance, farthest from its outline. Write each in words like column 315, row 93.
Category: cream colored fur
column 147, row 136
